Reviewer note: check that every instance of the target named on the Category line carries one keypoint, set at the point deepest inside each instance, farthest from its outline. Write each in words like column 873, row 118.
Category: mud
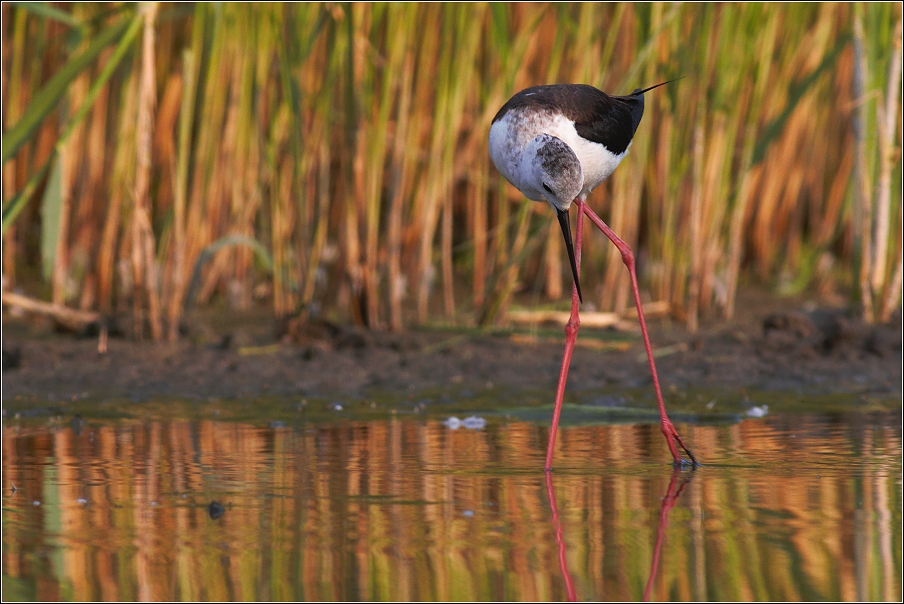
column 774, row 345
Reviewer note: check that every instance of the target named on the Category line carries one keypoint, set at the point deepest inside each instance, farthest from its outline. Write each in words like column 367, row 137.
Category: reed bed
column 330, row 159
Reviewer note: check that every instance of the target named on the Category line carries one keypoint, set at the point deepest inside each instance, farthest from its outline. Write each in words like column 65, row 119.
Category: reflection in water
column 668, row 502
column 789, row 507
column 560, row 542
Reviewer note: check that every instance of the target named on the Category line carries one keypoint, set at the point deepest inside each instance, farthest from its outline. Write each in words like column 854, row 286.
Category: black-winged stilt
column 556, row 144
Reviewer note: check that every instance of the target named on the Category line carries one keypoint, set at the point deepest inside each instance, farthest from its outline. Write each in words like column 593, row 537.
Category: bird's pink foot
column 671, row 437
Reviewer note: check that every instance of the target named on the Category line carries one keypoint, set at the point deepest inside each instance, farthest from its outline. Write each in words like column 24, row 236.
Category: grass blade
column 46, row 10
column 52, row 92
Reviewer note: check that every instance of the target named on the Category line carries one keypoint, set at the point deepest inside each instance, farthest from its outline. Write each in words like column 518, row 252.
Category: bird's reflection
column 560, row 541
column 680, row 479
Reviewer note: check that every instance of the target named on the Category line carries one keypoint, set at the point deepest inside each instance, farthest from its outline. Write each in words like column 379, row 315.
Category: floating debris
column 758, row 411
column 215, row 510
column 474, row 423
column 471, row 423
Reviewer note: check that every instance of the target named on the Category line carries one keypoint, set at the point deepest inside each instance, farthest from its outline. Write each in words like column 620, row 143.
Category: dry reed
column 332, row 158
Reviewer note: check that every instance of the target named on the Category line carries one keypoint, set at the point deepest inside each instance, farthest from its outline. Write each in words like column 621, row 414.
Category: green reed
column 348, row 142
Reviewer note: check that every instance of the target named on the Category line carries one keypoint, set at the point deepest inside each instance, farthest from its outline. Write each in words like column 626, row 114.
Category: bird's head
column 554, row 173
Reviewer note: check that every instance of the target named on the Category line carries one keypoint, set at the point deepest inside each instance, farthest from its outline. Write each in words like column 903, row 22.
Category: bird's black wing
column 608, row 120
column 598, row 117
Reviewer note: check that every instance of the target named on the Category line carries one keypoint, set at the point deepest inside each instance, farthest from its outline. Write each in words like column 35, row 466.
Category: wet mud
column 778, row 345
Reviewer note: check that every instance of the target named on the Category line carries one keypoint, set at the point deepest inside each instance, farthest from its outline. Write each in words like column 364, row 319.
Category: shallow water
column 351, row 500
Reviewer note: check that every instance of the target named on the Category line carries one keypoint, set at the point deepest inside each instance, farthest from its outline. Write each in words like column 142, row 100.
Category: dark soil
column 774, row 345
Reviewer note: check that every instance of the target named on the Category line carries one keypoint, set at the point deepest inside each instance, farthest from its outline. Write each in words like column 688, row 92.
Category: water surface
column 359, row 500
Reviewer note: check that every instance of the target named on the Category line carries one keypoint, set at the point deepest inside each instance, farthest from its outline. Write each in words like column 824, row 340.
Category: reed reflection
column 407, row 509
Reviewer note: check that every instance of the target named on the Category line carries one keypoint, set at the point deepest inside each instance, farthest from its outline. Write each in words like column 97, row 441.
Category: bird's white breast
column 510, row 135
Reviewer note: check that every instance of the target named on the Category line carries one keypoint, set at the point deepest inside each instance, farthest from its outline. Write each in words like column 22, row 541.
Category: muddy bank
column 775, row 346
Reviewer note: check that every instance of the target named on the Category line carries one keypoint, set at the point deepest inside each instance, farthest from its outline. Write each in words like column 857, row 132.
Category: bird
column 556, row 143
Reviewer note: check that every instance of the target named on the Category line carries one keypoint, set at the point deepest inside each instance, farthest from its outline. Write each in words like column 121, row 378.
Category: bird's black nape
column 562, row 215
column 639, row 91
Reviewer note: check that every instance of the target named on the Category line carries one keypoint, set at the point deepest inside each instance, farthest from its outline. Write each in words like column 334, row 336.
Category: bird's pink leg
column 571, row 336
column 671, row 435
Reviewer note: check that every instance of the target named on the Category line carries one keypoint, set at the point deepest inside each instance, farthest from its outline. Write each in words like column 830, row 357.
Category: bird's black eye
column 546, row 186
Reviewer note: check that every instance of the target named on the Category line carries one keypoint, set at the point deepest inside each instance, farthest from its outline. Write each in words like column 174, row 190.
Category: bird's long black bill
column 638, row 91
column 566, row 231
